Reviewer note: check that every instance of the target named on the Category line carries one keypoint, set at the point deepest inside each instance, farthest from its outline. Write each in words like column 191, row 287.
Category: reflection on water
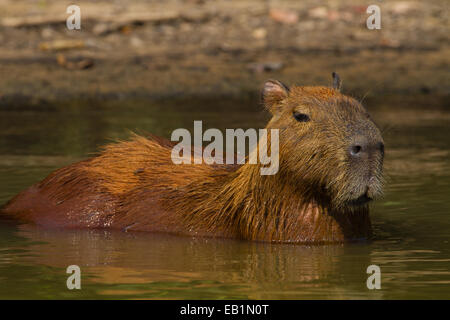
column 411, row 223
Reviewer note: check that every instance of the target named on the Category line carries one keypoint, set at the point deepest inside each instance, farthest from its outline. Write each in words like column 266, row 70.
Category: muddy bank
column 155, row 49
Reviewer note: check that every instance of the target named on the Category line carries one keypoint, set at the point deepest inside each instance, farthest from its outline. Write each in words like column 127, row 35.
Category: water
column 411, row 223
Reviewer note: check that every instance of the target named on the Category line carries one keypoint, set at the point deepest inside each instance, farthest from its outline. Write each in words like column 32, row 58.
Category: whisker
column 364, row 96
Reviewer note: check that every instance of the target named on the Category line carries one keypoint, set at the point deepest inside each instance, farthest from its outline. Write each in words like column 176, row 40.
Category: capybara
column 330, row 167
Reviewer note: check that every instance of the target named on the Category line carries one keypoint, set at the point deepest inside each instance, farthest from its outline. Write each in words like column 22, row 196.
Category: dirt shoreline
column 219, row 48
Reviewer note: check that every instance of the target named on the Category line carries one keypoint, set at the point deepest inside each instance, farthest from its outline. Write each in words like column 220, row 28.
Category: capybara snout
column 366, row 153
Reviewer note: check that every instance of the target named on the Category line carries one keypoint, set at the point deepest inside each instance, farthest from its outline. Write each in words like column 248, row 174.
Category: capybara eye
column 301, row 117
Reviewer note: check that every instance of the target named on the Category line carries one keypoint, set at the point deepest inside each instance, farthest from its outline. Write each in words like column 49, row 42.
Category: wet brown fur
column 134, row 186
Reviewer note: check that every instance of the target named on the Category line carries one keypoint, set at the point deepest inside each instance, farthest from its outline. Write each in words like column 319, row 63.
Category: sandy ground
column 161, row 49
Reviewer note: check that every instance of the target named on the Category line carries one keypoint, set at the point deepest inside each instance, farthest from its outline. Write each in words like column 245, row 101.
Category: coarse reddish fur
column 134, row 185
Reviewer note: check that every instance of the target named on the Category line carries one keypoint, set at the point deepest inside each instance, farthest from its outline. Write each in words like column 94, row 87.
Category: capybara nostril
column 358, row 146
column 361, row 145
column 381, row 147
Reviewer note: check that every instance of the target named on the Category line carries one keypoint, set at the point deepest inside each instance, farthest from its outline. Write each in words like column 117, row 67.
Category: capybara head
column 329, row 146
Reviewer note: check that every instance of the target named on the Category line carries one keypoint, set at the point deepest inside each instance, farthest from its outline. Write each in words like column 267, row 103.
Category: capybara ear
column 336, row 81
column 272, row 94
